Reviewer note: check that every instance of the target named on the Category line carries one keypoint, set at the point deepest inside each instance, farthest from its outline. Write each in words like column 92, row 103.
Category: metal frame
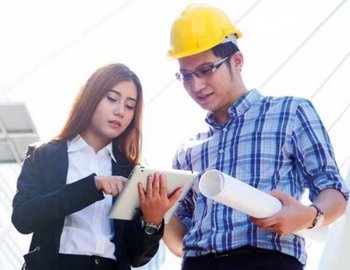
column 17, row 131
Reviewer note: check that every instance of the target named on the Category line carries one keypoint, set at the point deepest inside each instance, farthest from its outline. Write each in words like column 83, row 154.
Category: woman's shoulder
column 40, row 147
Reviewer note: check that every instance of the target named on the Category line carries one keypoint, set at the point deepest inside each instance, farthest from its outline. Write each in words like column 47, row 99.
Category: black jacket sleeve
column 34, row 207
column 138, row 247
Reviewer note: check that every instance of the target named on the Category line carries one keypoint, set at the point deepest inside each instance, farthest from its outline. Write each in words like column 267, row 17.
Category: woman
column 66, row 186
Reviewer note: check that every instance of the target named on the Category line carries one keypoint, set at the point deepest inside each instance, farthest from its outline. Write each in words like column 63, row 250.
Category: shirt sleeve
column 314, row 154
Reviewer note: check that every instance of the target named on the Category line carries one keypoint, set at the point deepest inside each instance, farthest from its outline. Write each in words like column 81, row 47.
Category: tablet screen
column 127, row 205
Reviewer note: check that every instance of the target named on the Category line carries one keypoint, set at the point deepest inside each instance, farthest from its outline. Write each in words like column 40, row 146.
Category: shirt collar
column 79, row 143
column 109, row 148
column 239, row 107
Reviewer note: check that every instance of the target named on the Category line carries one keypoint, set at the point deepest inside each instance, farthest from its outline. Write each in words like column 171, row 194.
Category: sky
column 49, row 48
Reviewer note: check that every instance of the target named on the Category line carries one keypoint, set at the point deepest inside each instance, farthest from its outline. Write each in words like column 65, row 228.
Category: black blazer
column 43, row 200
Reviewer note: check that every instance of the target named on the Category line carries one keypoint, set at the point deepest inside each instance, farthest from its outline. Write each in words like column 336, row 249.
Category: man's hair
column 225, row 49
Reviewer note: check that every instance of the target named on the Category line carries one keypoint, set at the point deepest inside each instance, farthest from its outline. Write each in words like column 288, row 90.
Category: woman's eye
column 111, row 99
column 130, row 107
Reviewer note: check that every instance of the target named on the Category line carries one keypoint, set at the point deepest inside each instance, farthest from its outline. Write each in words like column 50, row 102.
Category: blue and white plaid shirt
column 268, row 143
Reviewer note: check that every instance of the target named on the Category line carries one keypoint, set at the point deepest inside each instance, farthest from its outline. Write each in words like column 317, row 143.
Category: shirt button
column 213, row 251
column 221, row 151
column 213, row 229
column 97, row 261
column 224, row 129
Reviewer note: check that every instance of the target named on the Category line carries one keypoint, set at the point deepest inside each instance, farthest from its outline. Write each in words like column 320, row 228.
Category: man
column 277, row 145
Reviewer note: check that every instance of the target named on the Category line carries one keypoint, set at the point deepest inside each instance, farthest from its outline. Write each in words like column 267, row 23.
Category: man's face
column 213, row 89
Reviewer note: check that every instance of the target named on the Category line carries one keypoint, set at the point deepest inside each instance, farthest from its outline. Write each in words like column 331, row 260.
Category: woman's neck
column 96, row 143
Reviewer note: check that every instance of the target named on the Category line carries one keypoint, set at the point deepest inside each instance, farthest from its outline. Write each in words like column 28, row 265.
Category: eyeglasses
column 201, row 71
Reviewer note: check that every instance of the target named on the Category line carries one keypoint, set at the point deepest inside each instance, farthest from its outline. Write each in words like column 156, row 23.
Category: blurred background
column 49, row 48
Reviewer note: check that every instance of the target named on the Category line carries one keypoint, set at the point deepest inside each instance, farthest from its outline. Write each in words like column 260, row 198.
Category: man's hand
column 293, row 216
column 154, row 201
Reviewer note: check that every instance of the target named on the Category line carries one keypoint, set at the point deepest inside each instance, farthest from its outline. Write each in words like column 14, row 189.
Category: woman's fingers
column 111, row 185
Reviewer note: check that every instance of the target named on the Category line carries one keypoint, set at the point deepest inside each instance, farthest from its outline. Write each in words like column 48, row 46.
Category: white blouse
column 88, row 231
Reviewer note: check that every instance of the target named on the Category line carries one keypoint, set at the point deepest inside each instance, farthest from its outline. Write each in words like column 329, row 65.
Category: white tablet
column 127, row 205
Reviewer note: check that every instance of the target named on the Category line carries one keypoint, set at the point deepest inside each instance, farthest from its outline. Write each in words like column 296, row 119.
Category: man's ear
column 237, row 60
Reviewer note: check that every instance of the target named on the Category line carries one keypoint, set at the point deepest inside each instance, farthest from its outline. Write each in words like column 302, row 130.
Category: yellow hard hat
column 199, row 28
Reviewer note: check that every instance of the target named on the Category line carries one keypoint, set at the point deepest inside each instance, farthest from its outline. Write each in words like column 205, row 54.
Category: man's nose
column 196, row 83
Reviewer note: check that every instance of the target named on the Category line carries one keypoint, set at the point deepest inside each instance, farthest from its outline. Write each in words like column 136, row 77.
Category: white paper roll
column 236, row 194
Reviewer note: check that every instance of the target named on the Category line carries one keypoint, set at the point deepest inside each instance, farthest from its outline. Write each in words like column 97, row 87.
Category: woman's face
column 115, row 112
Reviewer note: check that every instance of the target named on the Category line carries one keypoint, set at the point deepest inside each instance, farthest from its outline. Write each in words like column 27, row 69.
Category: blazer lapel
column 57, row 165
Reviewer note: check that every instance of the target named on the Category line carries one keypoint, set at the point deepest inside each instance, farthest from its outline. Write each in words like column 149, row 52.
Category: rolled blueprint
column 236, row 194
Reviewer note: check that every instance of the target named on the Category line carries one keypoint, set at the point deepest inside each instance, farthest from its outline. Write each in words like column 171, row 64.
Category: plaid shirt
column 268, row 143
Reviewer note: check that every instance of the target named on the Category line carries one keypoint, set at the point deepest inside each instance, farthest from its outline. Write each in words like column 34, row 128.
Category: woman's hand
column 154, row 201
column 111, row 185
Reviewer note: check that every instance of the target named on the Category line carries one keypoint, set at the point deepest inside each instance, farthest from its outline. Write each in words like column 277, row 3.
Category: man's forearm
column 332, row 203
column 173, row 235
